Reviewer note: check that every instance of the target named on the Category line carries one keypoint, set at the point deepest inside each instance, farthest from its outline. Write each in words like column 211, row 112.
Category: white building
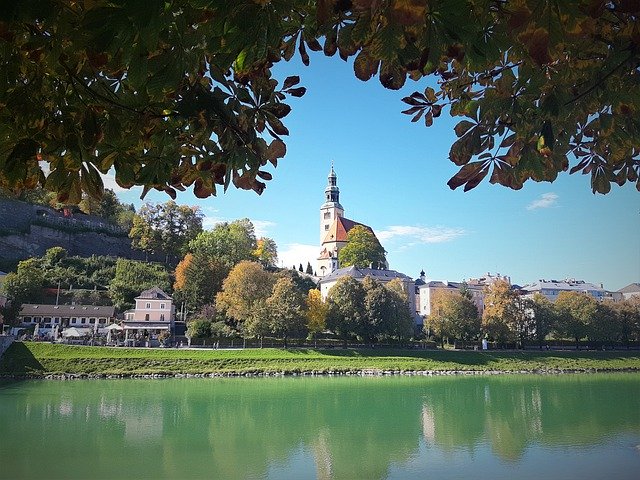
column 334, row 228
column 552, row 288
column 426, row 291
column 382, row 276
column 631, row 290
column 47, row 317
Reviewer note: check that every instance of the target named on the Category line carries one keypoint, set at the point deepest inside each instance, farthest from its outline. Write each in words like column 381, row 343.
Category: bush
column 199, row 329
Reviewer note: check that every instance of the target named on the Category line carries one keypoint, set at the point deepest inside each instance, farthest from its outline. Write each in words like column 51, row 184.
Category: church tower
column 331, row 208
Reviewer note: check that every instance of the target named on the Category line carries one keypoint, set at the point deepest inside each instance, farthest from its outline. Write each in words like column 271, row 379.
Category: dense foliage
column 454, row 316
column 362, row 250
column 165, row 228
column 179, row 94
column 228, row 242
column 509, row 318
column 198, row 279
column 368, row 311
column 132, row 278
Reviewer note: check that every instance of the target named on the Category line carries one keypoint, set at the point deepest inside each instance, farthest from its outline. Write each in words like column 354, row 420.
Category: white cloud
column 262, row 226
column 546, row 200
column 298, row 253
column 416, row 235
column 209, row 221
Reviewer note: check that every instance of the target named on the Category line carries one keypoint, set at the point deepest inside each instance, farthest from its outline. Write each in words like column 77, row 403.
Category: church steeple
column 331, row 208
column 332, row 192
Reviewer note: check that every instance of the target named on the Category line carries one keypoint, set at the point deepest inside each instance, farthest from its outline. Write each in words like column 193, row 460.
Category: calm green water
column 538, row 427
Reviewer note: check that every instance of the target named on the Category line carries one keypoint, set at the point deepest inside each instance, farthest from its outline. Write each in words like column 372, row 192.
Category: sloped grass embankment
column 30, row 359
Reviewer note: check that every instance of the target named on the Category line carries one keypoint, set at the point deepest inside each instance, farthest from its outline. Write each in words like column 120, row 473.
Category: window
column 327, row 215
column 326, row 227
column 146, row 317
column 92, row 320
column 83, row 320
column 162, row 305
column 148, row 305
column 162, row 317
column 73, row 320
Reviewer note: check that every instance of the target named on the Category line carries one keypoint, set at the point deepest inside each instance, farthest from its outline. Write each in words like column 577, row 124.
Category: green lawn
column 39, row 359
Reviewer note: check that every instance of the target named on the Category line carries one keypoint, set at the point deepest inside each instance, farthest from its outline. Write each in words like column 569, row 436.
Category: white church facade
column 334, row 228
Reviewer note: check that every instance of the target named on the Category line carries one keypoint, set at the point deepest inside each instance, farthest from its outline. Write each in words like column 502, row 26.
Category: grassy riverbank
column 42, row 359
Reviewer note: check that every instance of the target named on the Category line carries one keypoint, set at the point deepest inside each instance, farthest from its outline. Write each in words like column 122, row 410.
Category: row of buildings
column 154, row 310
column 154, row 313
column 334, row 228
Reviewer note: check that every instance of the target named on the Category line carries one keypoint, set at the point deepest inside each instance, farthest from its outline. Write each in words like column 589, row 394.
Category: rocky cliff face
column 29, row 230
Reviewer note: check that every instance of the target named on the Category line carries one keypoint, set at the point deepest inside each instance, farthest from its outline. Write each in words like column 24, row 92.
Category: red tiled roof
column 340, row 228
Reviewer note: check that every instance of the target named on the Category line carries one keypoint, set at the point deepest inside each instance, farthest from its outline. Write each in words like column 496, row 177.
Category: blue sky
column 392, row 176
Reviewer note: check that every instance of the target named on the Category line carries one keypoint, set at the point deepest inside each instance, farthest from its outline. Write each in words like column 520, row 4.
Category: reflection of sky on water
column 507, row 427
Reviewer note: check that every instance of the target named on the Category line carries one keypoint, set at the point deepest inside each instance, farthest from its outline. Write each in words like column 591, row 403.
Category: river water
column 488, row 427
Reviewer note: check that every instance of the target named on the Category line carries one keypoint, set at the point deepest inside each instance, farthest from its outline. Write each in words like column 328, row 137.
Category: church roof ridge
column 340, row 228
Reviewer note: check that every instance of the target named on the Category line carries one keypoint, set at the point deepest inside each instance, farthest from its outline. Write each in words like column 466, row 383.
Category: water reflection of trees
column 346, row 427
column 511, row 413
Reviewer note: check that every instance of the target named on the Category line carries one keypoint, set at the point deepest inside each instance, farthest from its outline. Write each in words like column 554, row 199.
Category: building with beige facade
column 153, row 313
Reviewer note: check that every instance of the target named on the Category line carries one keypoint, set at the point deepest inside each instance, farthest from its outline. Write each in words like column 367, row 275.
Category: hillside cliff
column 28, row 230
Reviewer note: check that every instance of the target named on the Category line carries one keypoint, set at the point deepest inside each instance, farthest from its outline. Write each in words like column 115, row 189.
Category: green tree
column 544, row 317
column 257, row 323
column 303, row 283
column 401, row 324
column 110, row 208
column 309, row 269
column 23, row 286
column 199, row 329
column 346, row 307
column 231, row 242
column 379, row 310
column 627, row 314
column 170, row 97
column 53, row 257
column 166, row 228
column 285, row 308
column 576, row 312
column 605, row 327
column 266, row 252
column 132, row 278
column 36, row 196
column 246, row 284
column 362, row 249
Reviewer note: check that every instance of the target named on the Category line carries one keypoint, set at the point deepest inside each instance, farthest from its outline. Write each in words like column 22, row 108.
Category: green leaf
column 91, row 181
